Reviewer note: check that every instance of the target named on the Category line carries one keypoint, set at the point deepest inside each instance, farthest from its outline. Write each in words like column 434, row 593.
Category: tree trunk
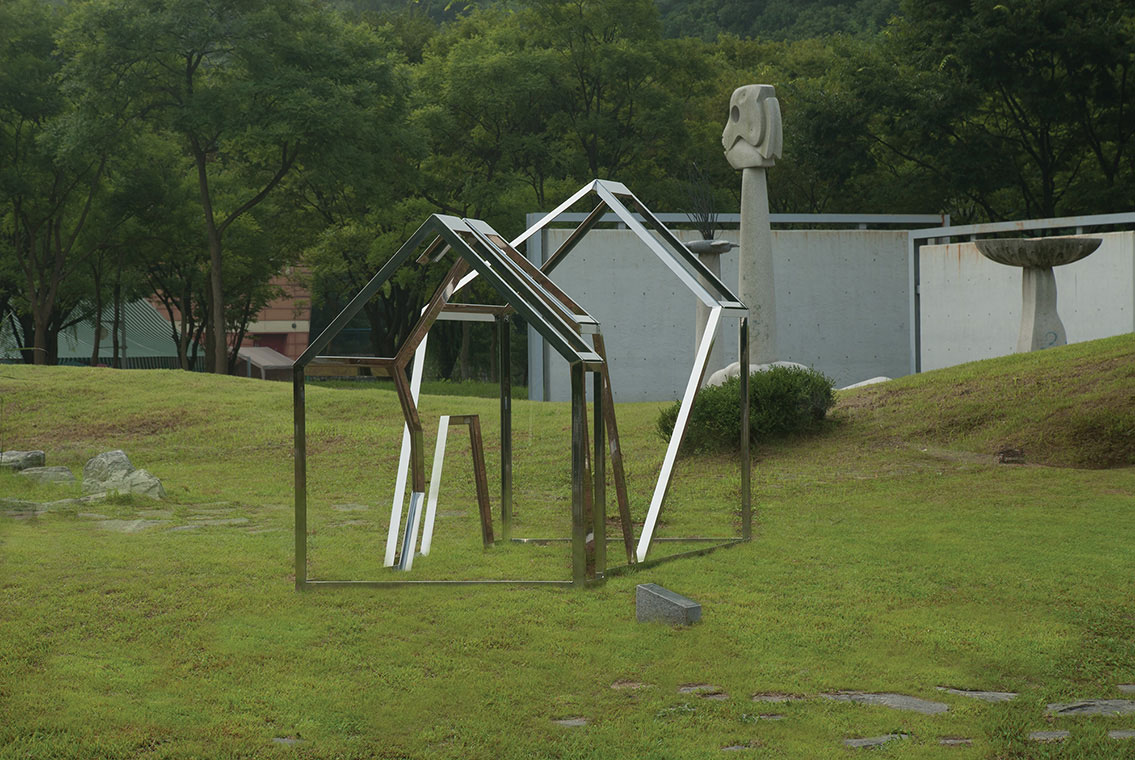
column 116, row 359
column 96, row 272
column 218, row 347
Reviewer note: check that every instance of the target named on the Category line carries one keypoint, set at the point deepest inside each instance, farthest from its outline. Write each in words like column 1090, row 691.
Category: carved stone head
column 752, row 136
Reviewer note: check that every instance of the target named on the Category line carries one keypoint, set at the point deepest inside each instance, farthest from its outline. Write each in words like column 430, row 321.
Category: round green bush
column 782, row 401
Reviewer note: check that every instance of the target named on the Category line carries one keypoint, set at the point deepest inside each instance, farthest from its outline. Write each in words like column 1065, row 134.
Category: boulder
column 48, row 474
column 112, row 472
column 21, row 460
column 734, row 370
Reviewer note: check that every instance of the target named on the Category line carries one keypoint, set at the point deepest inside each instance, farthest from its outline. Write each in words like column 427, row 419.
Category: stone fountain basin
column 1038, row 253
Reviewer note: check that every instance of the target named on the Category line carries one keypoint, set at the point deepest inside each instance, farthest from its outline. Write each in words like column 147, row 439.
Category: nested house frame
column 529, row 291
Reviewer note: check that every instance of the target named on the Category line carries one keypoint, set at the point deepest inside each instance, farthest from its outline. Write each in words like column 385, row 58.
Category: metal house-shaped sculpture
column 477, row 248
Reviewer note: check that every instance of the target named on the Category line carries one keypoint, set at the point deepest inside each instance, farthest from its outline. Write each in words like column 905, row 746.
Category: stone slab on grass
column 955, row 741
column 1093, row 707
column 130, row 526
column 1127, row 688
column 1049, row 736
column 984, row 696
column 872, row 741
column 893, row 701
column 48, row 474
column 571, row 722
column 21, row 460
column 1122, row 733
column 656, row 604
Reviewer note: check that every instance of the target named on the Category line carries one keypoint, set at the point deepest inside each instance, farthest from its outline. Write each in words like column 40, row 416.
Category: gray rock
column 109, row 465
column 625, row 684
column 872, row 741
column 112, row 472
column 48, row 474
column 1049, row 736
column 1127, row 688
column 734, row 370
column 955, row 741
column 984, row 696
column 776, row 696
column 21, row 460
column 654, row 603
column 1122, row 733
column 1093, row 707
column 894, row 701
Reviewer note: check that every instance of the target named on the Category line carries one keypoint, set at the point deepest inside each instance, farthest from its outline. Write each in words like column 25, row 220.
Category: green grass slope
column 891, row 554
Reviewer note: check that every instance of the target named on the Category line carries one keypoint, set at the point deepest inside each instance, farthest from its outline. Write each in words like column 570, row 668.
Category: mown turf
column 892, row 553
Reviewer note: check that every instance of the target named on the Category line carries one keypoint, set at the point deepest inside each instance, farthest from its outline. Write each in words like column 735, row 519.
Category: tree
column 1026, row 106
column 254, row 89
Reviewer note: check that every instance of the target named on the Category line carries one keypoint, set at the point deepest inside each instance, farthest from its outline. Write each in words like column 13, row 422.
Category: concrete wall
column 971, row 306
column 842, row 307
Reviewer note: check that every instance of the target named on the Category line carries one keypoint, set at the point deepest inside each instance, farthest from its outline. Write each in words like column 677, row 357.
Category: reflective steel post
column 300, row 455
column 503, row 339
column 578, row 467
column 599, row 480
column 746, row 461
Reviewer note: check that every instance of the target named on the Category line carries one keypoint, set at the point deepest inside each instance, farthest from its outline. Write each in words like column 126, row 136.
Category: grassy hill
column 892, row 554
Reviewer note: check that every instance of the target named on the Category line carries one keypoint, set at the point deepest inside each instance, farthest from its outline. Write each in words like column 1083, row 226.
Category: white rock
column 734, row 370
column 862, row 383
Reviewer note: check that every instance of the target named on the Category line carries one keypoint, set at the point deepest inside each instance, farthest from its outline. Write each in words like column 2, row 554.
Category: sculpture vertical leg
column 504, row 338
column 300, row 454
column 480, row 478
column 578, row 465
column 746, row 459
column 599, row 479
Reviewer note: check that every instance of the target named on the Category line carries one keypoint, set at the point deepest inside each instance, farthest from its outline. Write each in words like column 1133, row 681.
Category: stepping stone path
column 704, row 690
column 893, row 701
column 955, row 741
column 1049, row 736
column 628, row 685
column 572, row 722
column 872, row 741
column 1123, row 733
column 985, row 696
column 776, row 696
column 1127, row 688
column 1093, row 707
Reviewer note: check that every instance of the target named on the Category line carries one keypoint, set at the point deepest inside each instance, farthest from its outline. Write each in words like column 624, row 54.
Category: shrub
column 782, row 401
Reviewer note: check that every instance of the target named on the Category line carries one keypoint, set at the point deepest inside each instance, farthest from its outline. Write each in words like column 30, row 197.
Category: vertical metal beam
column 504, row 337
column 599, row 480
column 435, row 484
column 618, row 475
column 300, row 455
column 404, row 460
column 536, row 346
column 578, row 466
column 480, row 478
column 746, row 458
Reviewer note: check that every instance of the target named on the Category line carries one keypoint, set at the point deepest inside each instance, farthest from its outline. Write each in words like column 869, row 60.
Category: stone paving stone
column 179, row 528
column 222, row 521
column 1093, row 707
column 286, row 740
column 1049, row 736
column 130, row 526
column 1127, row 688
column 92, row 516
column 703, row 690
column 872, row 741
column 893, row 701
column 955, row 741
column 1123, row 733
column 573, row 722
column 776, row 696
column 985, row 696
column 740, row 747
column 155, row 514
column 624, row 684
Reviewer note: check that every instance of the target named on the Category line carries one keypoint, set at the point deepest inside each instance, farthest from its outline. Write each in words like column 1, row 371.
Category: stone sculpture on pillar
column 752, row 139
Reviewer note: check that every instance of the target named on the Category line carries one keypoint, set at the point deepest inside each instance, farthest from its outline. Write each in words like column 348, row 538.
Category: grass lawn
column 892, row 553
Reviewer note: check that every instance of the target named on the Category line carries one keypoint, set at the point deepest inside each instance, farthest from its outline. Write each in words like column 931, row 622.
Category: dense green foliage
column 198, row 146
column 782, row 401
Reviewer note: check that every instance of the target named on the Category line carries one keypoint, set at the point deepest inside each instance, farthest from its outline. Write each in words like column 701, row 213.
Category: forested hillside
column 195, row 148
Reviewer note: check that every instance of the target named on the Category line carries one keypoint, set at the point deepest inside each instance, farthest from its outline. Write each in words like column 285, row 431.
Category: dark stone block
column 652, row 602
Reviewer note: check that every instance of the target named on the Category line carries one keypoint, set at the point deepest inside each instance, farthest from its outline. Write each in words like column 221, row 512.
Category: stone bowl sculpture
column 1040, row 323
column 1040, row 253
